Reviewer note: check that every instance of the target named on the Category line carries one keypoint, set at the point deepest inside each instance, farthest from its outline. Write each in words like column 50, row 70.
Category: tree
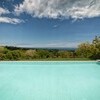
column 87, row 50
column 84, row 50
column 31, row 54
column 65, row 54
column 43, row 53
column 96, row 44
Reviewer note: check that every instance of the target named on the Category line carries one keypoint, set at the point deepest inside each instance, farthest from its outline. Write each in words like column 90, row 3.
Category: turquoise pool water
column 49, row 81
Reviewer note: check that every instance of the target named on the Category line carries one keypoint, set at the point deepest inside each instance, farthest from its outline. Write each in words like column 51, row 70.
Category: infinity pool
column 49, row 81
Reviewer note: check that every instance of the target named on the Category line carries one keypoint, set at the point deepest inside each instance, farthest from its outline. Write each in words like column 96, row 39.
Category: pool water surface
column 49, row 81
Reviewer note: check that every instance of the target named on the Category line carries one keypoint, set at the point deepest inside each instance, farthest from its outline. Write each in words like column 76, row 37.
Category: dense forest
column 85, row 51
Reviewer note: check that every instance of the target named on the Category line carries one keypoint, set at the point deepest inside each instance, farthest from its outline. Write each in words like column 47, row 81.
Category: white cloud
column 76, row 9
column 4, row 19
column 10, row 20
column 4, row 11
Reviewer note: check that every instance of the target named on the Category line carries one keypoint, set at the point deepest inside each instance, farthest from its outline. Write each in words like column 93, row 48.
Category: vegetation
column 85, row 51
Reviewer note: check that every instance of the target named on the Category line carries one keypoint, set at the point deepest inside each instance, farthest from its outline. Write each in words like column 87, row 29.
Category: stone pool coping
column 51, row 61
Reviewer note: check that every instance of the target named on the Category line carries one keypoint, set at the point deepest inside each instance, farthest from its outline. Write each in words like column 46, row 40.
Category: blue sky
column 43, row 23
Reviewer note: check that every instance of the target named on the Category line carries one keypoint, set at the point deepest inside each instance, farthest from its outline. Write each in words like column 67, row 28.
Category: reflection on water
column 80, row 81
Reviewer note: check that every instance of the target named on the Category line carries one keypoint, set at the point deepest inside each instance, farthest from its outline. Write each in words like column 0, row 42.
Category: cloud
column 55, row 26
column 10, row 20
column 76, row 9
column 4, row 11
column 4, row 19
